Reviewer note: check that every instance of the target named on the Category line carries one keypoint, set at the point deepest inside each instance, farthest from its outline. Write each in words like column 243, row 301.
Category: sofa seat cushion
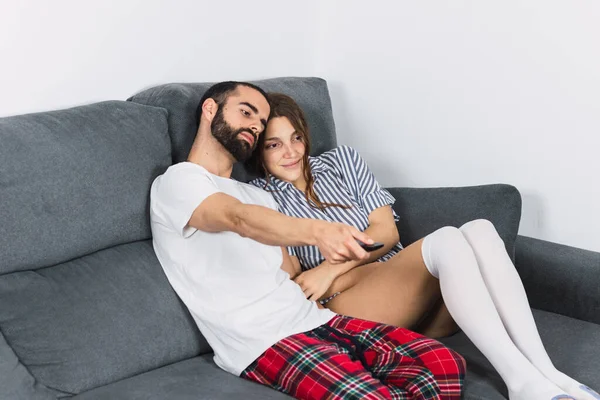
column 193, row 379
column 573, row 346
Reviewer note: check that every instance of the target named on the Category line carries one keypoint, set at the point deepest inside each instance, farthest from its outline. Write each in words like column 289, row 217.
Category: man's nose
column 256, row 126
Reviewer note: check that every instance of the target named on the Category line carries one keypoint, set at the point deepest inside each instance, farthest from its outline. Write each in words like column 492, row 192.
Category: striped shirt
column 341, row 176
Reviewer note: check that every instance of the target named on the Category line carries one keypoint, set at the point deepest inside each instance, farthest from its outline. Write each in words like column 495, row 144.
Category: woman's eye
column 271, row 146
column 298, row 138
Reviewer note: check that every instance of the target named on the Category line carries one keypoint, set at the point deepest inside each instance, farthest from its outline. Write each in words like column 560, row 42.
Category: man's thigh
column 403, row 358
column 308, row 367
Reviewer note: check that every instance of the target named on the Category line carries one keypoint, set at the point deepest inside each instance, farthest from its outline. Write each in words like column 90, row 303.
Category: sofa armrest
column 559, row 278
column 424, row 210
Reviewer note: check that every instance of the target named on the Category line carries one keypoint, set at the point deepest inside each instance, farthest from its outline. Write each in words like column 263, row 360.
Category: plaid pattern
column 349, row 358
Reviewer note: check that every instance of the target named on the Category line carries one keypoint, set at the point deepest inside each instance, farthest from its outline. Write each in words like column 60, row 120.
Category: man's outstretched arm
column 220, row 212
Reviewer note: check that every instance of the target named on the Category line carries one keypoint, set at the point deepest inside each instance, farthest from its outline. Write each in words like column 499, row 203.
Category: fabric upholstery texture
column 96, row 319
column 16, row 382
column 63, row 173
column 193, row 379
column 181, row 100
column 424, row 210
column 559, row 278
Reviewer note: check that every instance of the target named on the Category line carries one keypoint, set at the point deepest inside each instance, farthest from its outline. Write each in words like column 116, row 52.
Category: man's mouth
column 248, row 137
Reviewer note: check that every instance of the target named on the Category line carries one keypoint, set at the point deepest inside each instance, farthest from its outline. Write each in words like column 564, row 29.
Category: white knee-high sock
column 508, row 294
column 449, row 257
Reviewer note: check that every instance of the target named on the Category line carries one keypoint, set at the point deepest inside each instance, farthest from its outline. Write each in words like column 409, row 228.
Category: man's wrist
column 313, row 229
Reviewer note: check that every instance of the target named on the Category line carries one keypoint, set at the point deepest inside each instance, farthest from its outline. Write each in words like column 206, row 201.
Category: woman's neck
column 300, row 183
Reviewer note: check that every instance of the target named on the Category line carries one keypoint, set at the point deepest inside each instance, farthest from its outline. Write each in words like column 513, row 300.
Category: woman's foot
column 571, row 386
column 541, row 389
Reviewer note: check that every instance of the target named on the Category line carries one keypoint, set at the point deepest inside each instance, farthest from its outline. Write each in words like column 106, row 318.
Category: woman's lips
column 291, row 165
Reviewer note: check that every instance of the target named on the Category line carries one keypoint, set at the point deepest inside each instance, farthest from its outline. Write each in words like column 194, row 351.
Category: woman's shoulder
column 339, row 158
column 339, row 153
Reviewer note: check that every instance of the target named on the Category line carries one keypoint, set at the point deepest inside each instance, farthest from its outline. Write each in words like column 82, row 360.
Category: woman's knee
column 478, row 226
column 442, row 245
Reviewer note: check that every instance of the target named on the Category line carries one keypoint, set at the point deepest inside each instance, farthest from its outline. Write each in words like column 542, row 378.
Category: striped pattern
column 401, row 364
column 342, row 177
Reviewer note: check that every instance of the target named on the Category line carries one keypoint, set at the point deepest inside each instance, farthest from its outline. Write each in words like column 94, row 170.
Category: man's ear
column 209, row 109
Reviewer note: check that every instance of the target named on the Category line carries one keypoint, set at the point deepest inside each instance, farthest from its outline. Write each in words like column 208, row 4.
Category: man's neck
column 210, row 154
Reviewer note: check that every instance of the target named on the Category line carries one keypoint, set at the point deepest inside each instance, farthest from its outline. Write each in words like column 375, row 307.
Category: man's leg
column 306, row 366
column 405, row 360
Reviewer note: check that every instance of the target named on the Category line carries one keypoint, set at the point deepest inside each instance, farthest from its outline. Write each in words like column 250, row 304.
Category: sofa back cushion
column 181, row 100
column 76, row 181
column 83, row 299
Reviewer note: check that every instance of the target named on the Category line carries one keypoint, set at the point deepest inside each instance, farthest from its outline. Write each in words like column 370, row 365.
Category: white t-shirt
column 234, row 287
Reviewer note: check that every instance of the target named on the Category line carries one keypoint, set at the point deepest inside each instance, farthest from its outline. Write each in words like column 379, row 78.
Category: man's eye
column 246, row 113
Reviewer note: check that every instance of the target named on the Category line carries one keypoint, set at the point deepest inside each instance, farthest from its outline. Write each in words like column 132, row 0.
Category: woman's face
column 283, row 151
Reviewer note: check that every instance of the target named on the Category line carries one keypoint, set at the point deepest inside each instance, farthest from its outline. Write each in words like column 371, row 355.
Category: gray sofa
column 86, row 311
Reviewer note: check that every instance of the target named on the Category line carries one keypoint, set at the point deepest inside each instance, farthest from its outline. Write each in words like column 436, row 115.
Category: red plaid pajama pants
column 349, row 358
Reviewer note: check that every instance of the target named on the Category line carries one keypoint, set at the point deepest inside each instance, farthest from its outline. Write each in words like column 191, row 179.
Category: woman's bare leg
column 438, row 323
column 398, row 292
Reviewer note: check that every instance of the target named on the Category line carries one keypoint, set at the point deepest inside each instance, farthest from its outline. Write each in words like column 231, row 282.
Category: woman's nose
column 289, row 149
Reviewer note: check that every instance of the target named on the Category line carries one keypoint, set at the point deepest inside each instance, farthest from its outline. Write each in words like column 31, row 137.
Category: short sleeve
column 361, row 181
column 177, row 193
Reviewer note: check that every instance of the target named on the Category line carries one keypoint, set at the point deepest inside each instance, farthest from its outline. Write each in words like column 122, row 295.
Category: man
column 220, row 242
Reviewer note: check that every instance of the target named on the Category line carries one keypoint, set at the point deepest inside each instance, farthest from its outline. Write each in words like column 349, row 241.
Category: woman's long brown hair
column 284, row 106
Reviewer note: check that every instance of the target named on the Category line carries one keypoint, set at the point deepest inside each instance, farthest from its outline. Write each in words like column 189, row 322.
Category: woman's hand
column 316, row 281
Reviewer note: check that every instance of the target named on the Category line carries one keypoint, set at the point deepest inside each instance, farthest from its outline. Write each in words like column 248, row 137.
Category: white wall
column 472, row 92
column 68, row 52
column 432, row 93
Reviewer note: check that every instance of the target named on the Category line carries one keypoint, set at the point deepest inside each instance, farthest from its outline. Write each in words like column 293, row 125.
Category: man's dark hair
column 219, row 93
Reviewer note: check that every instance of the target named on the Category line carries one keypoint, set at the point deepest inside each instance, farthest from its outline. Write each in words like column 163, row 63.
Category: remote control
column 370, row 247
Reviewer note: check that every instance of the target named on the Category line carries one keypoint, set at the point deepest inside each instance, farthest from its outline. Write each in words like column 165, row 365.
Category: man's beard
column 228, row 137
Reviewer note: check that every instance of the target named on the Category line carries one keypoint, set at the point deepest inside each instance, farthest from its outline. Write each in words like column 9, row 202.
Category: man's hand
column 316, row 281
column 337, row 242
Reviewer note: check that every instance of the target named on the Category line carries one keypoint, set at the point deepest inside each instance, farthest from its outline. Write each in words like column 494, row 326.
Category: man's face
column 239, row 121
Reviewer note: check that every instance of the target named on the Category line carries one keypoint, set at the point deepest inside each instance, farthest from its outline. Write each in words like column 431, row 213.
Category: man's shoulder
column 255, row 186
column 183, row 172
column 184, row 168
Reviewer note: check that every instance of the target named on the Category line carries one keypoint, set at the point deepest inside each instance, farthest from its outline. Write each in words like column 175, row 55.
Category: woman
column 467, row 267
